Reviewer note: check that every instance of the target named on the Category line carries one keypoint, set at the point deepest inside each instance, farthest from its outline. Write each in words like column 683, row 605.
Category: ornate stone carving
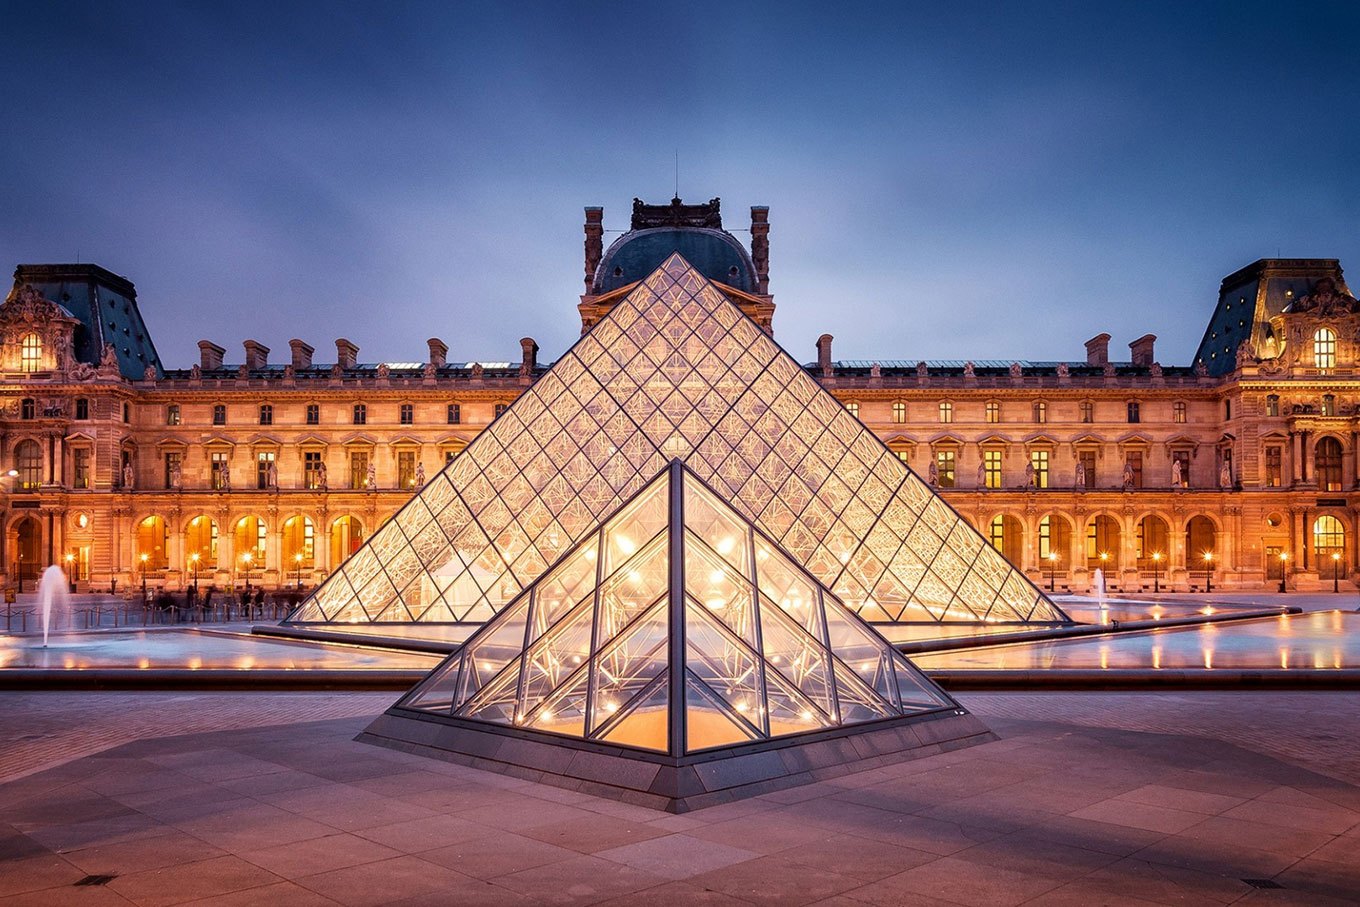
column 969, row 371
column 1201, row 370
column 384, row 371
column 921, row 369
column 477, row 370
column 875, row 371
column 243, row 372
column 1108, row 370
column 1017, row 370
column 83, row 371
column 149, row 374
column 429, row 371
column 108, row 362
column 1155, row 370
column 1063, row 370
column 195, row 372
column 1325, row 301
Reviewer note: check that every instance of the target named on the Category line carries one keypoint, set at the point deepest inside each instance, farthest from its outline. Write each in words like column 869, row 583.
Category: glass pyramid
column 676, row 370
column 676, row 627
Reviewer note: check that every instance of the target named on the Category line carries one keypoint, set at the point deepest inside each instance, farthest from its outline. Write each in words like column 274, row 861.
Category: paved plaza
column 1087, row 799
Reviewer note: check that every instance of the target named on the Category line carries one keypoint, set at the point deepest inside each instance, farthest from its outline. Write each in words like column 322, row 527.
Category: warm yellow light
column 1156, row 555
column 1208, row 556
column 725, row 545
column 625, row 544
column 194, row 557
column 71, row 557
column 1284, row 556
column 1104, row 556
column 144, row 558
column 298, row 558
column 1335, row 556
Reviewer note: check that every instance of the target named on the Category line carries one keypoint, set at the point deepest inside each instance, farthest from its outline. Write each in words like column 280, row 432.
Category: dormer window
column 30, row 353
column 1324, row 348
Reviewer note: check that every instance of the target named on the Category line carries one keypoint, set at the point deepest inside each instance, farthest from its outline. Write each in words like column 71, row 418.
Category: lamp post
column 193, row 562
column 70, row 576
column 19, row 558
column 143, row 558
column 247, row 559
column 297, row 559
column 1052, row 569
column 1156, row 572
column 1208, row 571
column 1284, row 566
column 1336, row 571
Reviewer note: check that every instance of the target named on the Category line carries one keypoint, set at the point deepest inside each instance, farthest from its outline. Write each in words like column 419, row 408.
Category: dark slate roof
column 106, row 307
column 716, row 254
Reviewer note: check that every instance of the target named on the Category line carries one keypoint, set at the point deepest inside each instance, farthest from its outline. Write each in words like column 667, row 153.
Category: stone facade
column 1128, row 466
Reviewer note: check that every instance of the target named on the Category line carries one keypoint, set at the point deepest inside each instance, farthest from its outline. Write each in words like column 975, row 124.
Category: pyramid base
column 667, row 783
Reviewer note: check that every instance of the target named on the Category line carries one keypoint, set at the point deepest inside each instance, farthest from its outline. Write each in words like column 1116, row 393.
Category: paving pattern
column 1087, row 799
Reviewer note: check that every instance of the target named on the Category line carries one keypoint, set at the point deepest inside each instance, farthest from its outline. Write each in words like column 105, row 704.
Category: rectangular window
column 1135, row 461
column 30, row 353
column 1274, row 467
column 899, row 412
column 219, row 470
column 852, row 408
column 311, row 468
column 1328, row 405
column 172, row 466
column 80, row 461
column 1039, row 460
column 1178, row 412
column 1227, row 409
column 358, row 469
column 903, row 455
column 1272, row 405
column 449, row 455
column 944, row 468
column 455, row 414
column 172, row 414
column 82, row 408
column 407, row 415
column 500, row 408
column 946, row 412
column 1088, row 412
column 1087, row 458
column 313, row 414
column 993, row 412
column 219, row 414
column 360, row 414
column 1134, row 413
column 991, row 465
column 28, row 408
column 267, row 414
column 263, row 460
column 1041, row 413
column 1183, row 458
column 406, row 469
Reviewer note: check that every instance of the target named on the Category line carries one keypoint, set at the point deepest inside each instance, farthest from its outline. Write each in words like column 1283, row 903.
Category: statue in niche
column 1177, row 480
column 224, row 476
column 1016, row 370
column 1063, row 370
column 1031, row 478
column 1225, row 477
column 271, row 475
column 1081, row 475
column 176, row 476
column 420, row 474
column 982, row 475
column 321, row 476
column 128, row 477
column 969, row 371
column 1128, row 476
column 371, row 480
column 933, row 474
column 1324, row 301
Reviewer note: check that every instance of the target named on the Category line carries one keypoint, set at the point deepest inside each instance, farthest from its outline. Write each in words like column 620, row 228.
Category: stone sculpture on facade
column 420, row 474
column 371, row 480
column 1325, row 301
column 176, row 476
column 933, row 474
column 982, row 475
column 128, row 478
column 321, row 482
column 1176, row 478
column 969, row 371
column 1031, row 477
column 1080, row 479
column 271, row 475
column 1128, row 476
column 1225, row 478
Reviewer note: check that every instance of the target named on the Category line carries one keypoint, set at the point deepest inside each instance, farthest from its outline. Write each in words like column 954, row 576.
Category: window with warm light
column 220, row 470
column 1327, row 458
column 852, row 408
column 993, row 412
column 1328, row 536
column 28, row 458
column 944, row 467
column 991, row 468
column 358, row 469
column 406, row 469
column 1324, row 348
column 30, row 353
column 1274, row 466
column 1040, row 410
column 946, row 412
column 263, row 460
column 1088, row 411
column 899, row 412
column 1039, row 460
column 1178, row 412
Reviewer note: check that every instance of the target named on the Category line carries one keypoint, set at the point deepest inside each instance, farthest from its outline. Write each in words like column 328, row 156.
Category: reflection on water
column 189, row 649
column 1323, row 640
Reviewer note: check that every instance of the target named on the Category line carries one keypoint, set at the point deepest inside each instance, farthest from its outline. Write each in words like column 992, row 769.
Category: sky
column 945, row 181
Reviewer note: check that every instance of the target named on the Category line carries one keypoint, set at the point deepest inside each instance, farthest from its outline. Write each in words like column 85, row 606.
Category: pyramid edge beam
column 676, row 784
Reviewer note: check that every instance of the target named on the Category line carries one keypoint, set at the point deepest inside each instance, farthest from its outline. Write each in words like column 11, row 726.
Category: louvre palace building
column 1238, row 469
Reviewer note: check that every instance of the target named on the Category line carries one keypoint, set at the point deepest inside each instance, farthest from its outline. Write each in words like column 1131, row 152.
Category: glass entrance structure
column 675, row 370
column 676, row 629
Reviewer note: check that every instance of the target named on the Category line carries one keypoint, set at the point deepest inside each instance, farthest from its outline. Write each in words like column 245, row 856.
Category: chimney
column 439, row 352
column 1098, row 350
column 528, row 357
column 594, row 244
column 210, row 355
column 346, row 353
column 257, row 354
column 1141, row 350
column 824, row 355
column 760, row 246
column 302, row 354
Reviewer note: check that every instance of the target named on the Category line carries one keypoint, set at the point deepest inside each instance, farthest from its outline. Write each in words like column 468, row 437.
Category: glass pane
column 715, row 524
column 708, row 723
column 724, row 594
column 727, row 667
column 632, row 590
column 795, row 655
column 565, row 711
column 494, row 648
column 563, row 589
column 630, row 664
column 646, row 723
column 562, row 651
column 633, row 528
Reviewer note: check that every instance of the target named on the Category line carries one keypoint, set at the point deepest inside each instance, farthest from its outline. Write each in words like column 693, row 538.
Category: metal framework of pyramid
column 675, row 371
column 678, row 657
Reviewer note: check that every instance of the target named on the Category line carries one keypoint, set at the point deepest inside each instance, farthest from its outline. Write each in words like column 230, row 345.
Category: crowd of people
column 214, row 604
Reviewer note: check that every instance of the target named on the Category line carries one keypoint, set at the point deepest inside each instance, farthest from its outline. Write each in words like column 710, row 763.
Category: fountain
column 52, row 593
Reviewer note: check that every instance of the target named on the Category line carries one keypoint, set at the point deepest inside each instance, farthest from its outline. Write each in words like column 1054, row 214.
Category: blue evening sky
column 945, row 180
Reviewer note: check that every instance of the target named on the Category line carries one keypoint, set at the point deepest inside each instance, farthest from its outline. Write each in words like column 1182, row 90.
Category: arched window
column 249, row 539
column 347, row 534
column 1201, row 538
column 1055, row 537
column 28, row 460
column 1324, row 348
column 1327, row 464
column 1152, row 540
column 1102, row 543
column 152, row 549
column 200, row 540
column 30, row 353
column 1329, row 537
column 1006, row 535
column 299, row 543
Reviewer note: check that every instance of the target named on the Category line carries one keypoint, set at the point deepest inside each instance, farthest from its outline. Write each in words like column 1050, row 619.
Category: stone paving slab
column 1076, row 804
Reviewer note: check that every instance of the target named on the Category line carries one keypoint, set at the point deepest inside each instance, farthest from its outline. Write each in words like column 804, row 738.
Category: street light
column 193, row 560
column 1284, row 563
column 70, row 576
column 20, row 558
column 1052, row 568
column 297, row 559
column 1208, row 571
column 247, row 557
column 144, row 558
column 1156, row 572
column 1336, row 570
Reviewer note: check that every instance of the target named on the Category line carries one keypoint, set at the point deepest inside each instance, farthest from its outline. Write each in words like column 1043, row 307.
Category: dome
column 714, row 253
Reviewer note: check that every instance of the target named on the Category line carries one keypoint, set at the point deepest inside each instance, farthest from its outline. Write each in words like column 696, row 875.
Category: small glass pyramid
column 676, row 627
column 675, row 370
